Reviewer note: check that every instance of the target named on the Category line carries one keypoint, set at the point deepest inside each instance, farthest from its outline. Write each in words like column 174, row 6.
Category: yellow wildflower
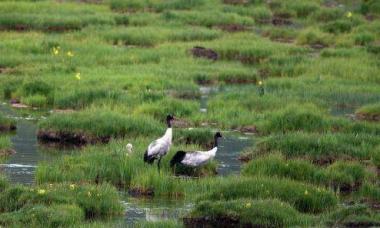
column 77, row 76
column 306, row 192
column 55, row 51
column 348, row 14
column 248, row 205
column 70, row 54
column 72, row 186
column 260, row 83
column 41, row 191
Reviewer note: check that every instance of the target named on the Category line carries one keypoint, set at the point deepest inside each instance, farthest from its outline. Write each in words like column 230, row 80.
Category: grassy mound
column 78, row 128
column 344, row 176
column 320, row 148
column 6, row 124
column 303, row 197
column 369, row 112
column 51, row 17
column 5, row 147
column 61, row 215
column 246, row 212
column 100, row 201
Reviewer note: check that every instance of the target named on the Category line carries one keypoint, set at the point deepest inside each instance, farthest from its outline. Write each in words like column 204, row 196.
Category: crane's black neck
column 216, row 141
column 169, row 123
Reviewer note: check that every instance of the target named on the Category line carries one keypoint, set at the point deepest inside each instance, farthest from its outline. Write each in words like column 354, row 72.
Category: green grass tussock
column 303, row 197
column 247, row 212
column 108, row 124
column 295, row 118
column 369, row 112
column 320, row 148
column 61, row 215
column 6, row 124
column 51, row 17
column 342, row 176
column 99, row 201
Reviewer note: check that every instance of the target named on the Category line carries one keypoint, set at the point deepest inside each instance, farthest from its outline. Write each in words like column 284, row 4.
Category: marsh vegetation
column 300, row 78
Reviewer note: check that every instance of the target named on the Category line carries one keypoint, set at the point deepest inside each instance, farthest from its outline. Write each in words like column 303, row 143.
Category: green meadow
column 299, row 78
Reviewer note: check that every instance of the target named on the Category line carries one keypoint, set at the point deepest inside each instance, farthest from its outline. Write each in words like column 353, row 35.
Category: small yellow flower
column 306, row 192
column 72, row 186
column 70, row 54
column 77, row 76
column 260, row 83
column 89, row 194
column 348, row 14
column 248, row 205
column 55, row 51
column 41, row 191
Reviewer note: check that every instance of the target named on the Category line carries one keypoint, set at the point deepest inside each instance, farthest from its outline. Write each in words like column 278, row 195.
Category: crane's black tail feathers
column 148, row 159
column 177, row 158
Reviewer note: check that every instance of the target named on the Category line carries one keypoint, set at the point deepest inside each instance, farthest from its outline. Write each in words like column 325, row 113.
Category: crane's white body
column 199, row 158
column 161, row 146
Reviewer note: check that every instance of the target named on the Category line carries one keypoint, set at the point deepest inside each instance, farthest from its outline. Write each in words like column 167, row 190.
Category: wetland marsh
column 294, row 87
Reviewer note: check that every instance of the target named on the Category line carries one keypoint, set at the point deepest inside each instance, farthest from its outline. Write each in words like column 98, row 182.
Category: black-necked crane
column 196, row 158
column 160, row 147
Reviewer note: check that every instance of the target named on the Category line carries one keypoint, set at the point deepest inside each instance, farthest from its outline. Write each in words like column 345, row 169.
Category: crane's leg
column 158, row 163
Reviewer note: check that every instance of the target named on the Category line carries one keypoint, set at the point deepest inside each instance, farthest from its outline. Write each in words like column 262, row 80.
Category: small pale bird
column 129, row 148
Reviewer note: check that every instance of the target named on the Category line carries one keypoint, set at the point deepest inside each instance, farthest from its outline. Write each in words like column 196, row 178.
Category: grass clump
column 154, row 5
column 376, row 157
column 247, row 212
column 294, row 118
column 108, row 124
column 355, row 215
column 207, row 18
column 320, row 148
column 61, row 215
column 84, row 97
column 303, row 197
column 5, row 147
column 315, row 38
column 342, row 176
column 202, row 137
column 145, row 36
column 159, row 224
column 95, row 201
column 369, row 112
column 364, row 39
column 49, row 17
column 6, row 124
